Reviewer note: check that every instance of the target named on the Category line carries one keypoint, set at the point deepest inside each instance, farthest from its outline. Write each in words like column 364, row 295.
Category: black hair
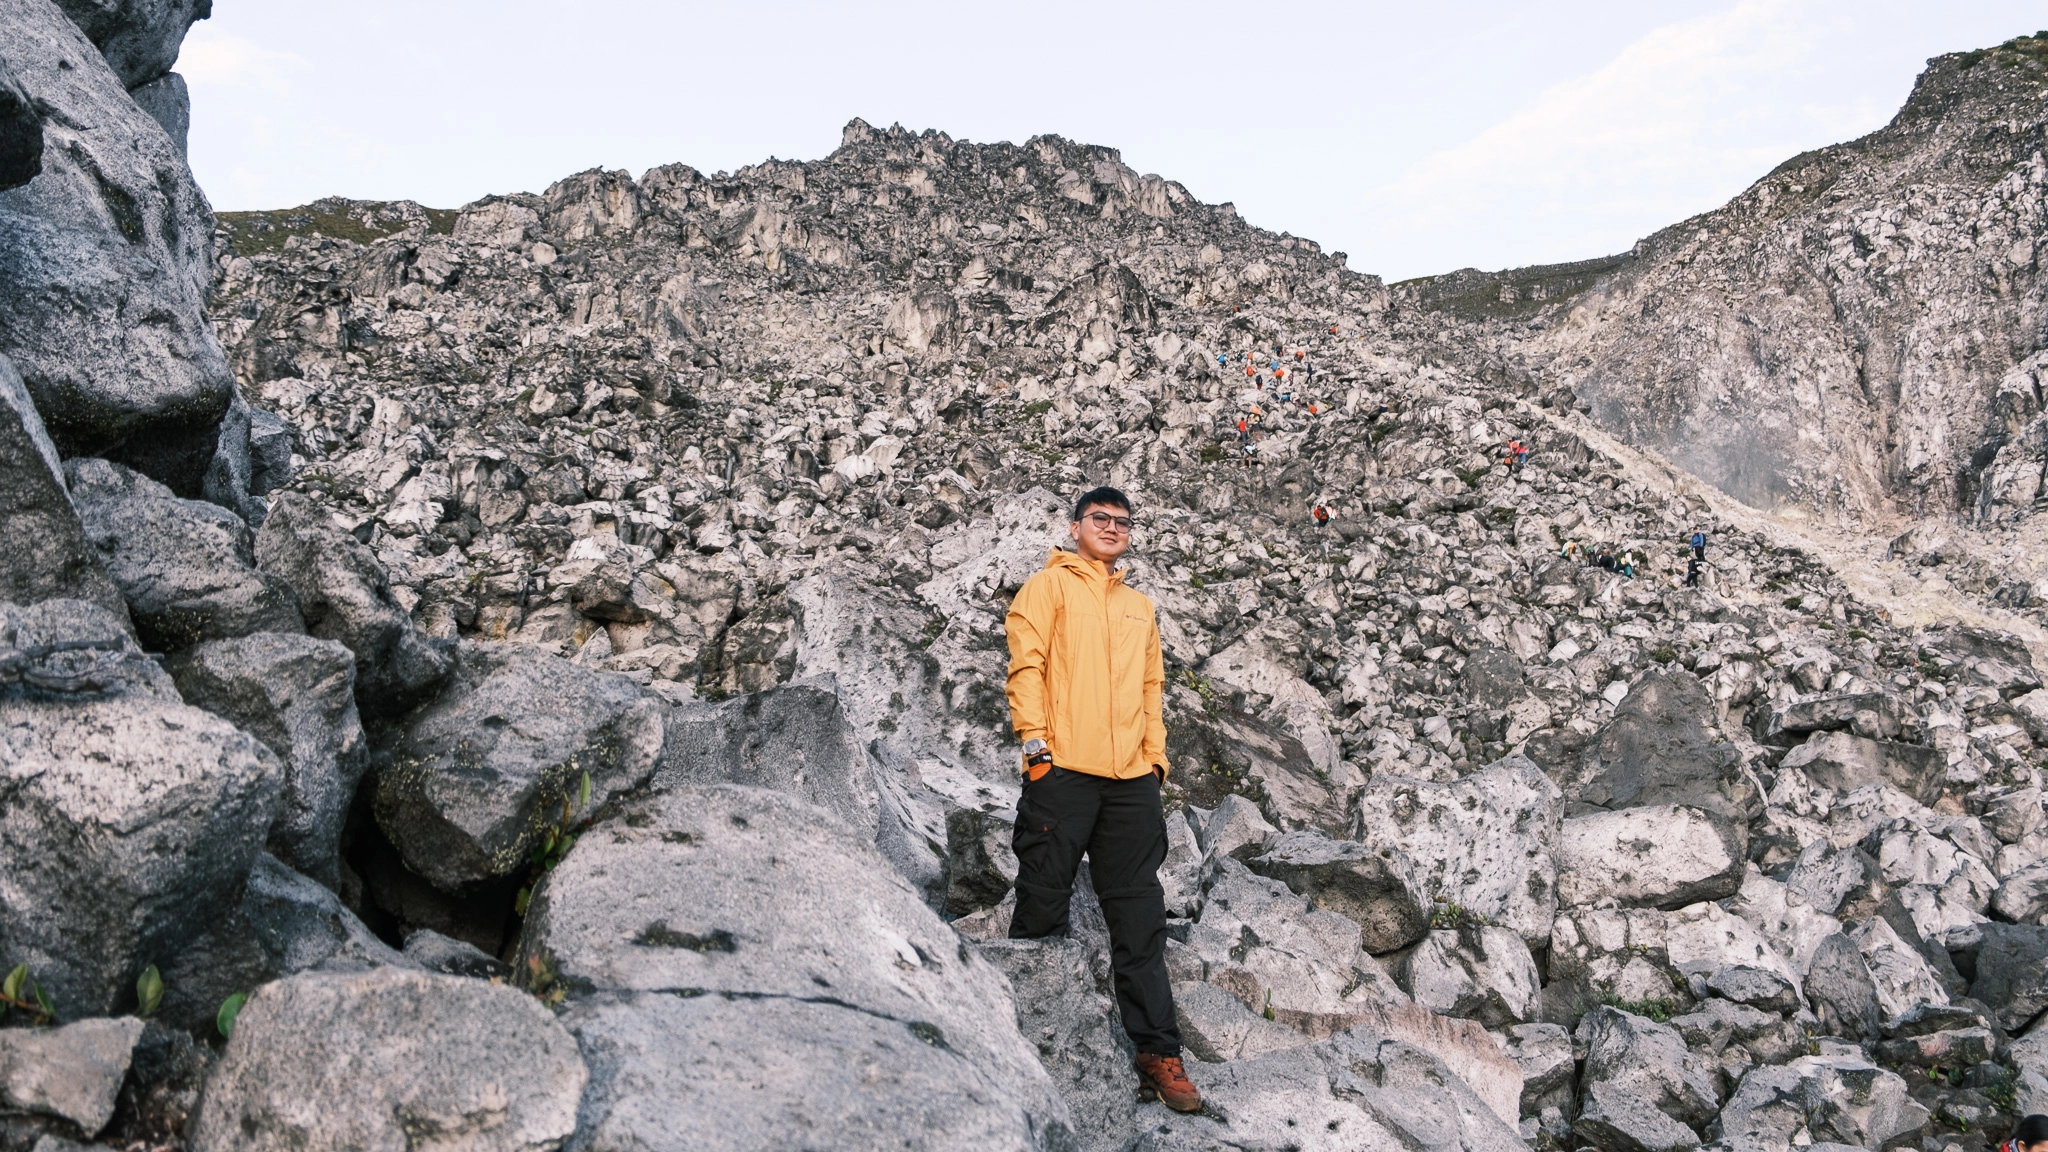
column 2032, row 1130
column 1106, row 496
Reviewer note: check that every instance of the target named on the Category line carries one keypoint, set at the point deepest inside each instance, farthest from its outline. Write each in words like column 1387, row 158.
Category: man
column 1085, row 684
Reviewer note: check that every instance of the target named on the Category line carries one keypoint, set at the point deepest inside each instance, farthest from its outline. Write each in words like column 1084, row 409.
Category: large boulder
column 472, row 782
column 1831, row 1099
column 1650, row 1062
column 391, row 1060
column 742, row 922
column 1658, row 750
column 1846, row 762
column 793, row 738
column 1482, row 842
column 44, row 545
column 2011, row 979
column 297, row 695
column 1664, row 856
column 138, row 38
column 107, row 258
column 285, row 924
column 1839, row 987
column 66, row 648
column 1375, row 888
column 345, row 595
column 1477, row 973
column 129, row 827
column 186, row 567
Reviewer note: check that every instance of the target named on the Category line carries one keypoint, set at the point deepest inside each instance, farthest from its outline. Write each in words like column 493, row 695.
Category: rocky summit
column 531, row 675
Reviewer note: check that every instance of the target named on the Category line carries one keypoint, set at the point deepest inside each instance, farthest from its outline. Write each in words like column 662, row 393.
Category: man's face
column 1097, row 536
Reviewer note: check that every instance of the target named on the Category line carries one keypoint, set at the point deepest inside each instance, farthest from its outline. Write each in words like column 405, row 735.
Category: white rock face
column 1664, row 856
column 1483, row 843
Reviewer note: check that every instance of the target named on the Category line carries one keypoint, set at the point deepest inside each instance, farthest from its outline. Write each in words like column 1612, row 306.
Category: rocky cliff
column 555, row 700
column 1850, row 340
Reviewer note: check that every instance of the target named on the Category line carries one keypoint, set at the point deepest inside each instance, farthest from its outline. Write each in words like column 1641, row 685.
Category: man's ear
column 1074, row 531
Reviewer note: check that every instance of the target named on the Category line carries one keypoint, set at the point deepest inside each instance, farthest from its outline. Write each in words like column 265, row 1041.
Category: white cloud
column 1677, row 122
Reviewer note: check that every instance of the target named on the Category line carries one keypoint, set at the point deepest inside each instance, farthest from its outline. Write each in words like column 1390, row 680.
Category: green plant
column 555, row 843
column 1665, row 654
column 20, row 993
column 1038, row 408
column 543, row 981
column 230, row 1008
column 149, row 992
column 1268, row 1013
column 1212, row 453
column 1655, row 1009
column 1794, row 601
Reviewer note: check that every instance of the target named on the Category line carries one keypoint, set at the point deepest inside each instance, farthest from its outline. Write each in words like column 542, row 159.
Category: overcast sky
column 1416, row 137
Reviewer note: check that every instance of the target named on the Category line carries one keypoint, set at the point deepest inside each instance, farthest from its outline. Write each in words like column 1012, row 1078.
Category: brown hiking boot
column 1163, row 1076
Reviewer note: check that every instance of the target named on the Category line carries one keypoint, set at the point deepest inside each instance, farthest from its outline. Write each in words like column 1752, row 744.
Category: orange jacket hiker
column 1085, row 670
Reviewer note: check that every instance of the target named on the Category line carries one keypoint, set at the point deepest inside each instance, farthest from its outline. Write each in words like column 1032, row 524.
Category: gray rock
column 1615, row 1119
column 2011, row 980
column 1761, row 988
column 286, row 924
column 1483, row 842
column 793, row 738
column 1357, row 1089
column 388, row 1060
column 1657, row 750
column 169, row 103
column 139, row 38
column 21, row 135
column 1649, row 1061
column 1716, row 1024
column 1237, row 830
column 2023, row 896
column 719, row 891
column 72, row 648
column 664, row 1071
column 343, row 595
column 1960, row 1048
column 1217, row 1027
column 437, row 953
column 1836, row 712
column 1665, row 856
column 1839, row 987
column 475, row 779
column 108, row 260
column 40, row 534
column 142, row 818
column 2030, row 1057
column 1549, row 1069
column 74, row 1072
column 1375, row 888
column 186, row 567
column 1833, row 1099
column 1484, row 974
column 1844, row 762
column 297, row 695
column 1073, row 1022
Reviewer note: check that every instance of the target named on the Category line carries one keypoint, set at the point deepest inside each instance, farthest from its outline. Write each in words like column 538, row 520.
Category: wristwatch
column 1035, row 754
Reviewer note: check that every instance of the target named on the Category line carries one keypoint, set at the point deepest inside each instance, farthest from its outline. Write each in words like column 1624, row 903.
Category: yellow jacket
column 1085, row 673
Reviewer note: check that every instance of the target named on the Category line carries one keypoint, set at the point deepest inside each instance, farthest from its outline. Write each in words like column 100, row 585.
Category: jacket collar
column 1072, row 562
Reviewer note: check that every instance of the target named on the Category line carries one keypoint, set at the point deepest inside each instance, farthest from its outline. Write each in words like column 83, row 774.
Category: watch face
column 1033, row 747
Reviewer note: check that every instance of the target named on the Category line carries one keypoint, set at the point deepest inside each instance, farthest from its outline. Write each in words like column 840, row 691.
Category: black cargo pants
column 1121, row 828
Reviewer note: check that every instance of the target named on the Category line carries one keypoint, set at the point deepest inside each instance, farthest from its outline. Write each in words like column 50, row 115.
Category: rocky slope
column 580, row 662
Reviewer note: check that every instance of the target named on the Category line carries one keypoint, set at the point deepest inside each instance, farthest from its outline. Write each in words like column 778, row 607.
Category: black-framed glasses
column 1103, row 521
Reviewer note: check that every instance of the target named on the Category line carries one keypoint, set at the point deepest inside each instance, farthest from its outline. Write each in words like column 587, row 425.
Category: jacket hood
column 1061, row 558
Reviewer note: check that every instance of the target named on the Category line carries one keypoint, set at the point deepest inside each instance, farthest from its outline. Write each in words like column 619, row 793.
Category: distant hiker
column 1571, row 551
column 1299, row 354
column 1692, row 571
column 1514, row 454
column 1605, row 560
column 1521, row 455
column 1322, row 515
column 1333, row 329
column 1699, row 545
column 1088, row 713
